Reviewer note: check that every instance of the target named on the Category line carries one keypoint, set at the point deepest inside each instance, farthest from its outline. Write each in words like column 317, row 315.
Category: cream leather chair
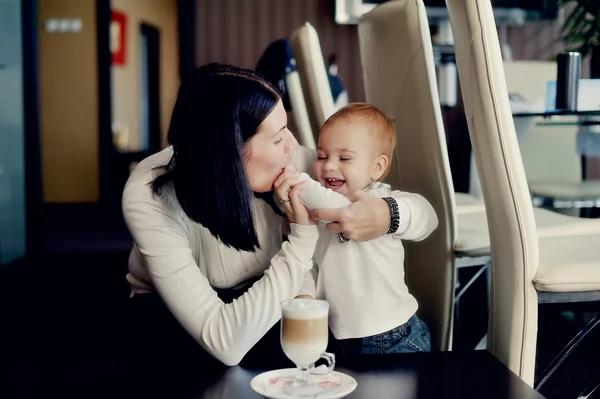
column 303, row 131
column 552, row 166
column 313, row 76
column 399, row 75
column 527, row 269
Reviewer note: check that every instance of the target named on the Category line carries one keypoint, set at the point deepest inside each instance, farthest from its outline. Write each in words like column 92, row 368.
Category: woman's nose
column 291, row 142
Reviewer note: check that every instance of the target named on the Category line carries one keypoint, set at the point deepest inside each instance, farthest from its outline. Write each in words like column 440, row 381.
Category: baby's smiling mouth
column 334, row 184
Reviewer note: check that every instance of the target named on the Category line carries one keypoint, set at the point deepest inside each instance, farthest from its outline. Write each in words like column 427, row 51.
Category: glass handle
column 321, row 370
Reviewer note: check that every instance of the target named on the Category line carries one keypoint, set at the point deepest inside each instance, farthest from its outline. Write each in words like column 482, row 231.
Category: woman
column 205, row 215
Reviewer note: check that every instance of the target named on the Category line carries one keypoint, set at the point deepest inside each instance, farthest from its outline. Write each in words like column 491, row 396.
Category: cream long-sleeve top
column 364, row 281
column 184, row 263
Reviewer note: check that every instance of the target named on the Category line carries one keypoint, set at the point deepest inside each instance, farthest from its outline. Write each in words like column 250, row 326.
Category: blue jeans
column 412, row 336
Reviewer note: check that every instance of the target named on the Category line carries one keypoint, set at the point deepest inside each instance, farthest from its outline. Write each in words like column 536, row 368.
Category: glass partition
column 12, row 152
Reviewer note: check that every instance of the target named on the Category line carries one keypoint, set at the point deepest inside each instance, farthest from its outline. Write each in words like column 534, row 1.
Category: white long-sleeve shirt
column 364, row 281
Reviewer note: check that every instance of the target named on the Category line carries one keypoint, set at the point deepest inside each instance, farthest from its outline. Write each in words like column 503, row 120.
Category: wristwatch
column 394, row 219
column 394, row 215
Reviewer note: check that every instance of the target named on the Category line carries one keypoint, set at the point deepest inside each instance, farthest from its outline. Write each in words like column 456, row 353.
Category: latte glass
column 304, row 338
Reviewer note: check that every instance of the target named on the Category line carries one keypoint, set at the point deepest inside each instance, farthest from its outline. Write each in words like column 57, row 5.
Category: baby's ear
column 381, row 164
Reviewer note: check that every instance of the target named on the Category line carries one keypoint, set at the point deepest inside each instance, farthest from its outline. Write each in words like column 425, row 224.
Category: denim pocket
column 412, row 336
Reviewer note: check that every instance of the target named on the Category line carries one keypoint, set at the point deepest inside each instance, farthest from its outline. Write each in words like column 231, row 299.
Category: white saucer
column 333, row 385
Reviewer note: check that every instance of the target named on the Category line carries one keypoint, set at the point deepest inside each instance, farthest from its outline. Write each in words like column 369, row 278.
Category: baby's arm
column 315, row 196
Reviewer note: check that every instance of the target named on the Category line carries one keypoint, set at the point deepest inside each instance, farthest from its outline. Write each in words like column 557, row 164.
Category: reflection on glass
column 12, row 145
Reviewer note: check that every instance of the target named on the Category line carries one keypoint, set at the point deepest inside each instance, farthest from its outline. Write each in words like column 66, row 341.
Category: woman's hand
column 287, row 189
column 368, row 217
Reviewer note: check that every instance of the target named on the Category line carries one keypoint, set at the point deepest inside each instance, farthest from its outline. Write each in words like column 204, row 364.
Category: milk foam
column 304, row 309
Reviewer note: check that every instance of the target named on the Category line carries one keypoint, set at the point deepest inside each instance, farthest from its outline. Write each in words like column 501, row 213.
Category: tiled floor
column 63, row 323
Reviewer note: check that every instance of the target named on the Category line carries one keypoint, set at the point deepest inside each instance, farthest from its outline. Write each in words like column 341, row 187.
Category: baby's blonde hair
column 379, row 124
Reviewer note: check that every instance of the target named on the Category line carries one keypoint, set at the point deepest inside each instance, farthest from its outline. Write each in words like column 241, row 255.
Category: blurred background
column 87, row 89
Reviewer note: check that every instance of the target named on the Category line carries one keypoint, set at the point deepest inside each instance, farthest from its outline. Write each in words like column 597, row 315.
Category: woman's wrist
column 382, row 217
column 394, row 215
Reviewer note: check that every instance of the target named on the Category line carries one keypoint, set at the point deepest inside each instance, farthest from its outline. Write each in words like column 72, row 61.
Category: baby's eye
column 321, row 157
column 345, row 159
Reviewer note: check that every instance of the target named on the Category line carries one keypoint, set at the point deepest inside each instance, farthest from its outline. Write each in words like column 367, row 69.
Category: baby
column 371, row 309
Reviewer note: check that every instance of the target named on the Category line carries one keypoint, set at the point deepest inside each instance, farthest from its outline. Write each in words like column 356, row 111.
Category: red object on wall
column 118, row 34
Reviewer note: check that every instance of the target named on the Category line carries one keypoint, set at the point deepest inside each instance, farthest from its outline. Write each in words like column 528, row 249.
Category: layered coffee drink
column 304, row 330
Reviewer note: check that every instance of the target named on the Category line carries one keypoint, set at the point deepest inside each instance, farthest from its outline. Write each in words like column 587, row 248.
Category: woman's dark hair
column 218, row 109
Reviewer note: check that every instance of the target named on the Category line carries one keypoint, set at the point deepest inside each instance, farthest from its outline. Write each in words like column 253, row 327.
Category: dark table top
column 474, row 374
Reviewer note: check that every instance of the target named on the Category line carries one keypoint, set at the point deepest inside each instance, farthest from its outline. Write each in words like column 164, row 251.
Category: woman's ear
column 381, row 164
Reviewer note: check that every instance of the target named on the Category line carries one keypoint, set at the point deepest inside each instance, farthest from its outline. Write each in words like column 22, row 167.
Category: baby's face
column 347, row 157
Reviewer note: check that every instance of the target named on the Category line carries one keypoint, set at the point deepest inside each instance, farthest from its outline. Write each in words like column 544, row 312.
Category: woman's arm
column 417, row 217
column 226, row 331
column 369, row 217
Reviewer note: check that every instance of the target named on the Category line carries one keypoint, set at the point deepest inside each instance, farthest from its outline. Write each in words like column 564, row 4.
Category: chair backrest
column 313, row 75
column 512, row 329
column 303, row 131
column 399, row 75
column 549, row 153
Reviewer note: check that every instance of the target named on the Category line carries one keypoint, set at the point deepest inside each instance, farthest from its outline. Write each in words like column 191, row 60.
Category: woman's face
column 269, row 150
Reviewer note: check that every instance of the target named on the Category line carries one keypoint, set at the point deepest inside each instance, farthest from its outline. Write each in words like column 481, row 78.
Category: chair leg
column 567, row 350
column 457, row 319
column 464, row 289
column 482, row 345
column 485, row 268
column 592, row 391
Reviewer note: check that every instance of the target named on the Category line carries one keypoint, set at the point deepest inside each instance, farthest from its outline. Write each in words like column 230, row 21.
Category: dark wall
column 238, row 31
column 538, row 41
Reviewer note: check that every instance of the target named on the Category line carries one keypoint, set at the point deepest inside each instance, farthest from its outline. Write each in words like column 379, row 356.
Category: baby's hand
column 291, row 167
column 315, row 196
